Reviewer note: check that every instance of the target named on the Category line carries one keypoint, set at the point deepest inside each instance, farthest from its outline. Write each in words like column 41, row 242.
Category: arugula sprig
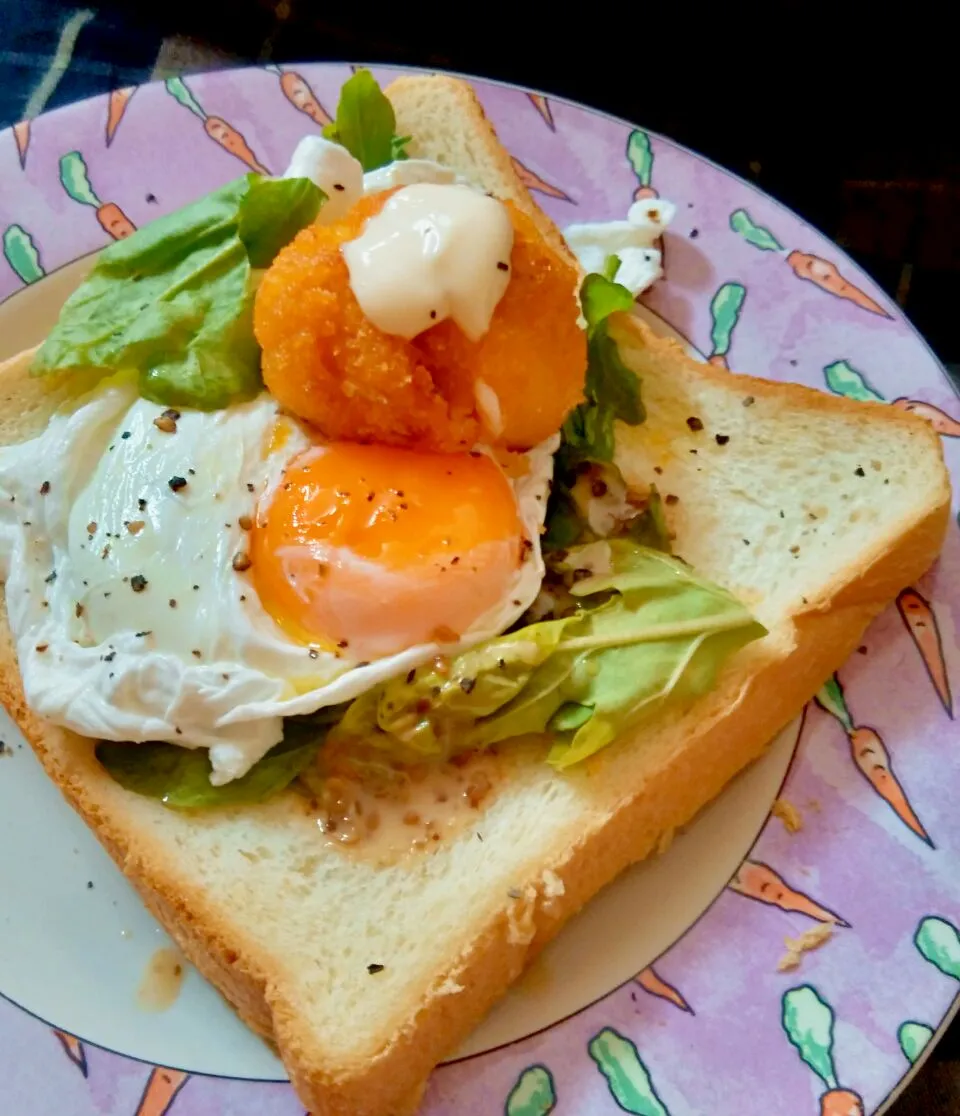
column 365, row 124
column 588, row 440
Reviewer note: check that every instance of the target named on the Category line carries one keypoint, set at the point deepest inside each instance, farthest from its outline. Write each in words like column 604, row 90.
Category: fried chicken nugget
column 328, row 364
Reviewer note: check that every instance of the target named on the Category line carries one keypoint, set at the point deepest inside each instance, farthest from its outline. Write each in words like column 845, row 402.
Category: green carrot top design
column 808, row 1021
column 725, row 312
column 742, row 223
column 21, row 254
column 177, row 89
column 913, row 1038
column 76, row 179
column 830, row 697
column 640, row 156
column 939, row 943
column 533, row 1094
column 627, row 1076
column 843, row 379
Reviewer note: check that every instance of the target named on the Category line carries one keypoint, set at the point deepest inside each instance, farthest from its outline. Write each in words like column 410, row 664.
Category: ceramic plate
column 673, row 993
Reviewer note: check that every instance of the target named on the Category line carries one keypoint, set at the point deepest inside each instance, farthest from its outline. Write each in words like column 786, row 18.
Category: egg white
column 212, row 669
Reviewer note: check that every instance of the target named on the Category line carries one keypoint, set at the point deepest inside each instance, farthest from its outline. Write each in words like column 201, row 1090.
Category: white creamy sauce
column 433, row 252
column 631, row 240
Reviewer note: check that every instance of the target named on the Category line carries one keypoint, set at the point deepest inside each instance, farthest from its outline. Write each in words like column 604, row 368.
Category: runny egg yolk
column 375, row 549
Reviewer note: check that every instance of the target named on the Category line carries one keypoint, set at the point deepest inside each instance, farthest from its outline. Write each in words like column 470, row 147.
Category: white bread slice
column 286, row 927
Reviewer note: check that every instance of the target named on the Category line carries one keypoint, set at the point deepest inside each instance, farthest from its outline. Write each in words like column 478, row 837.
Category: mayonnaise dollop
column 432, row 253
column 632, row 240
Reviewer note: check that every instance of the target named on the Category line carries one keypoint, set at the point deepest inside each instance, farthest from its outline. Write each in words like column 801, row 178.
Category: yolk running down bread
column 326, row 363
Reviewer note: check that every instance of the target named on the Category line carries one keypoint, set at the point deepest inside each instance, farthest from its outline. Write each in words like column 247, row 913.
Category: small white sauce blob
column 433, row 252
column 333, row 169
column 633, row 240
column 488, row 404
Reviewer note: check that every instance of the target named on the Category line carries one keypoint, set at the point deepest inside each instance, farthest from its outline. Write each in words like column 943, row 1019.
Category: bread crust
column 749, row 706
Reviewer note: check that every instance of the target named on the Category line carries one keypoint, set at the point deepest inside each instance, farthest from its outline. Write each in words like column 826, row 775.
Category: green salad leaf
column 643, row 631
column 365, row 124
column 611, row 391
column 174, row 301
column 611, row 394
column 180, row 777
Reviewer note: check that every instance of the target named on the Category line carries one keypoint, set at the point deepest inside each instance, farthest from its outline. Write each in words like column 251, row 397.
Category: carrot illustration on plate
column 216, row 127
column 843, row 379
column 808, row 1022
column 21, row 254
column 943, row 423
column 627, row 1077
column 921, row 622
column 160, row 1091
column 533, row 181
column 297, row 90
column 640, row 158
column 871, row 757
column 822, row 273
column 939, row 942
column 533, row 1094
column 73, row 1048
column 75, row 179
column 117, row 102
column 725, row 309
column 21, row 137
column 542, row 105
column 756, row 880
column 913, row 1038
column 651, row 982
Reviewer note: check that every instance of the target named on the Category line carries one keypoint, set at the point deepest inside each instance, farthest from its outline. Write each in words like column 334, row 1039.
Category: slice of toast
column 816, row 510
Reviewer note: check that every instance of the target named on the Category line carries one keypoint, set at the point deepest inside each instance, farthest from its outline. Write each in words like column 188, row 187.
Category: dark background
column 845, row 112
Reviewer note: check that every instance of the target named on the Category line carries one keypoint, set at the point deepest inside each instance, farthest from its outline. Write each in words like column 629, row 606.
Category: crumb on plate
column 788, row 813
column 808, row 941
